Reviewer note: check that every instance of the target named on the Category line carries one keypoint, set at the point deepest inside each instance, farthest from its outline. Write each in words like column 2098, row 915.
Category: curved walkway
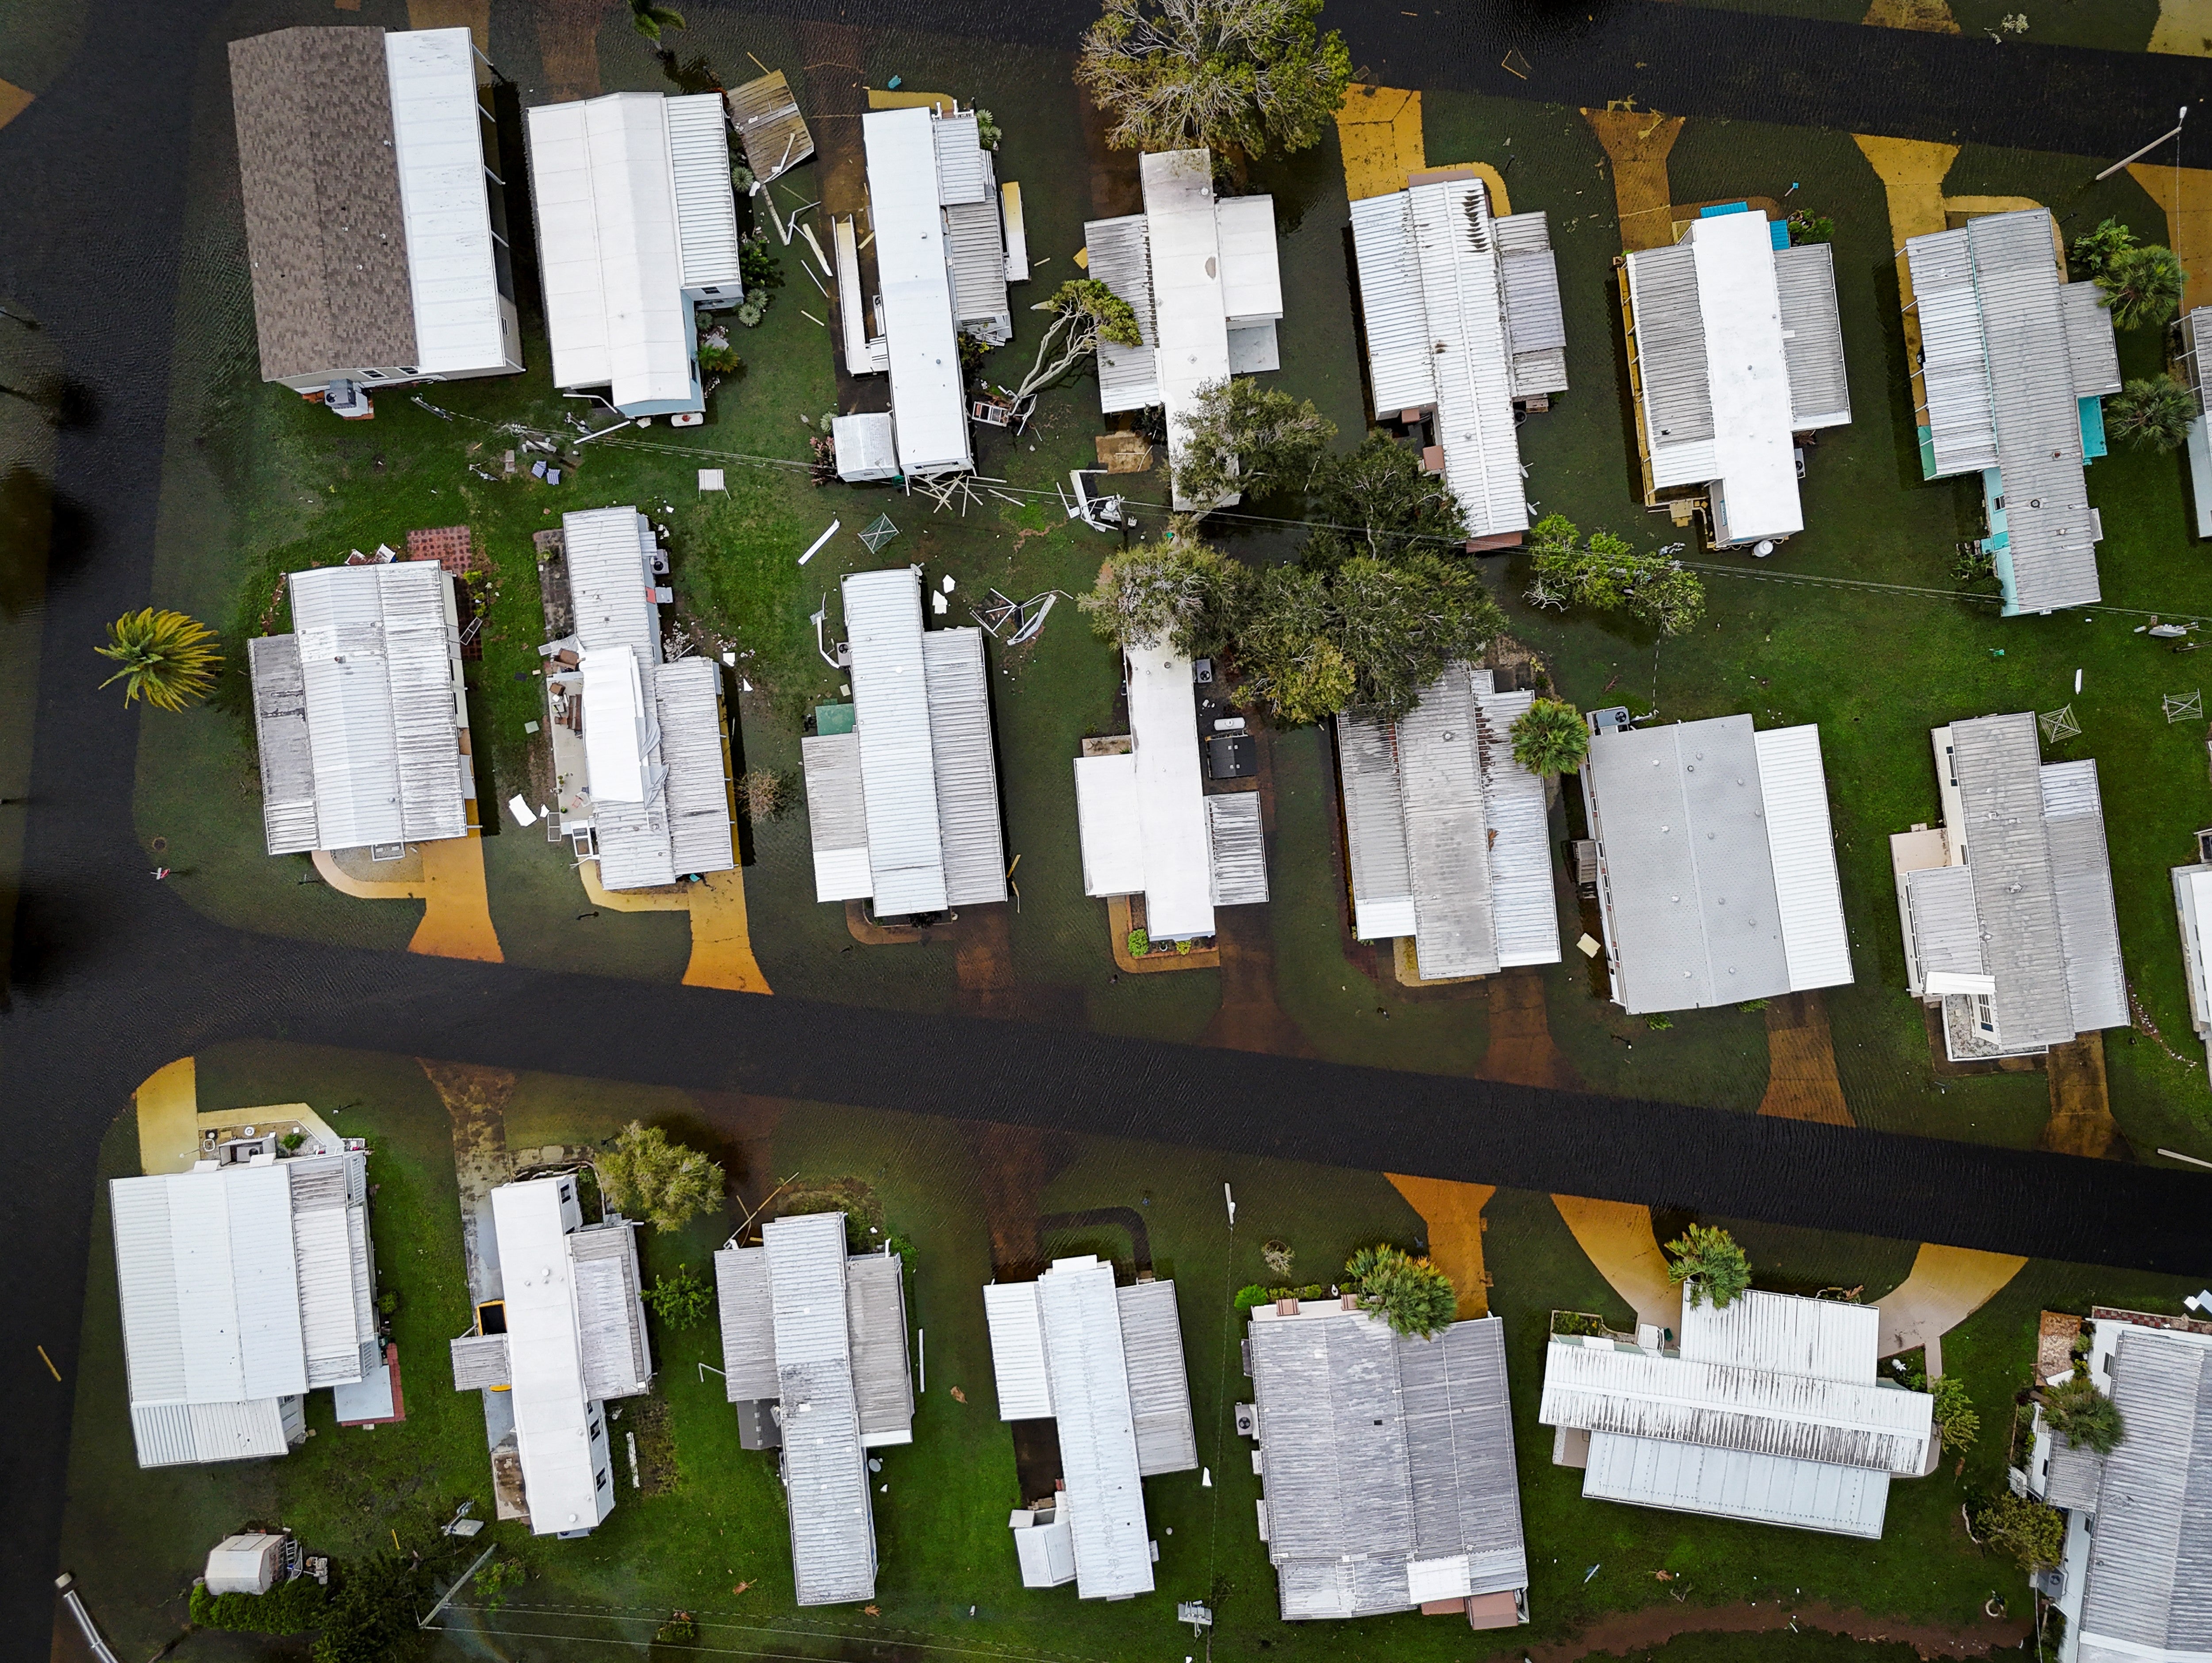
column 1618, row 1238
column 456, row 900
column 722, row 939
column 1946, row 1285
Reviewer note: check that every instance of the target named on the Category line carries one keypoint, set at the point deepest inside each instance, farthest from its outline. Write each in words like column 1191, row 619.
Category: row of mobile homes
column 640, row 741
column 1447, row 839
column 1463, row 331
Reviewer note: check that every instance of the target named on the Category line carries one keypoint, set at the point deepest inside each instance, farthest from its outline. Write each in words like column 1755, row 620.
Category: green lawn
column 134, row 1539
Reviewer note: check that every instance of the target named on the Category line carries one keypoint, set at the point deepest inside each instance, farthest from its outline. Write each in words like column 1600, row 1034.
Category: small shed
column 251, row 1563
column 867, row 448
column 770, row 127
column 1044, row 1546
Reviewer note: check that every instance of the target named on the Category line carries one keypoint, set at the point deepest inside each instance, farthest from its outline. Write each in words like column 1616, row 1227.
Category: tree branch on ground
column 1084, row 313
column 1608, row 575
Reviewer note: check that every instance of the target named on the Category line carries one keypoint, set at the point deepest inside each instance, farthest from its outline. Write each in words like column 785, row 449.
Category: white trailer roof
column 609, row 552
column 1108, row 824
column 554, row 1414
column 891, row 699
column 833, row 1534
column 437, row 148
column 1190, row 313
column 1082, row 1324
column 613, row 250
column 1801, row 844
column 1754, row 460
column 380, row 690
column 916, row 282
column 1170, row 795
column 965, row 763
column 836, row 816
column 617, row 727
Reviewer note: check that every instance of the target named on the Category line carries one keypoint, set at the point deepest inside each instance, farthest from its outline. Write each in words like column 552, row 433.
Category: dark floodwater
column 112, row 976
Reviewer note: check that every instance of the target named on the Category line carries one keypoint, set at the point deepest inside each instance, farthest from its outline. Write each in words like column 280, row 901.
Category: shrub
column 1658, row 1021
column 2092, row 251
column 493, row 1581
column 2142, row 286
column 1706, row 1260
column 1954, row 1414
column 1807, row 228
column 681, row 1301
column 1550, row 737
column 1140, row 943
column 1278, row 1257
column 291, row 1607
column 986, row 131
column 1413, row 1296
column 1252, row 1295
column 764, row 794
column 665, row 1183
column 373, row 1613
column 718, row 360
column 2030, row 1532
column 2151, row 415
column 2083, row 1415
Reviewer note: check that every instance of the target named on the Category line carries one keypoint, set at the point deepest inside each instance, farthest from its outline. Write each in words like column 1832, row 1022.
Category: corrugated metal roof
column 609, row 1313
column 479, row 1361
column 1685, row 873
column 1393, row 311
column 1108, row 824
column 1081, row 1319
column 187, row 1433
column 741, row 1300
column 1730, row 1484
column 1129, row 377
column 609, row 554
column 1812, row 337
column 706, row 205
column 1536, row 330
column 1670, row 357
column 833, row 1539
column 1765, row 1377
column 1251, row 276
column 964, row 173
column 966, row 766
column 977, row 253
column 1380, row 1453
column 1446, row 831
column 836, row 816
column 1946, row 927
column 2081, row 876
column 437, row 141
column 380, row 667
column 2093, row 350
column 891, row 699
column 280, row 729
column 875, row 1318
column 916, row 291
column 1997, row 762
column 610, row 253
column 1236, row 849
column 1375, row 829
column 1794, row 787
column 1954, row 368
column 769, row 125
column 1159, row 1391
column 687, row 696
column 2074, row 1476
column 1017, row 1365
column 1170, row 802
column 1524, row 908
column 2150, row 1557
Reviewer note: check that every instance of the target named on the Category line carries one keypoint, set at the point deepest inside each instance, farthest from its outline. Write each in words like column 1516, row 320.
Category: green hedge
column 291, row 1607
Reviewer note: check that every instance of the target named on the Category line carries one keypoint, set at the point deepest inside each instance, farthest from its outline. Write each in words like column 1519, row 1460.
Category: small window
column 372, row 375
column 408, row 369
column 602, row 1483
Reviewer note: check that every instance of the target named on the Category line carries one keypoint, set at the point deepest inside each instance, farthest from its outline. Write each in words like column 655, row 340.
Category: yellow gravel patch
column 1638, row 142
column 474, row 15
column 1379, row 129
column 456, row 902
column 2185, row 28
column 1933, row 16
column 13, row 100
column 1453, row 1212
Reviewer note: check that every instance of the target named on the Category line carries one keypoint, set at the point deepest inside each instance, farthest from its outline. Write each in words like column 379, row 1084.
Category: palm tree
column 2151, row 416
column 1413, row 1296
column 1707, row 1258
column 649, row 19
column 168, row 658
column 1551, row 737
column 2141, row 285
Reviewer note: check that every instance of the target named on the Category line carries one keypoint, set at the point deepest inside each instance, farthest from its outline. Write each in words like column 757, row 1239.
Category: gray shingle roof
column 325, row 243
column 2150, row 1557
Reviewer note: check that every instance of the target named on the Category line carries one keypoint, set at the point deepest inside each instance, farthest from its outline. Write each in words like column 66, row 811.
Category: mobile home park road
column 115, row 975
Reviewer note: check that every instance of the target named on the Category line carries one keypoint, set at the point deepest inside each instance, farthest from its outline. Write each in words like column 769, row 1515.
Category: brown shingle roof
column 324, row 235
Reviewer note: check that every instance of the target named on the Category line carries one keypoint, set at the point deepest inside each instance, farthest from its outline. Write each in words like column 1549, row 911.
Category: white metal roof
column 1159, row 1388
column 917, row 291
column 1433, row 296
column 1109, row 825
column 380, row 685
column 1121, row 258
column 1754, row 463
column 687, row 697
column 1190, row 317
column 706, row 205
column 1524, row 909
column 1730, row 1483
column 1236, row 849
column 1812, row 337
column 2081, row 878
column 1772, row 1375
column 1692, row 856
column 618, row 728
column 1375, row 829
column 832, row 1537
column 1535, row 328
column 437, row 140
column 1170, row 805
column 965, row 763
column 836, row 816
column 891, row 699
column 1082, row 1324
column 866, row 445
column 1251, row 276
column 238, row 1285
column 608, row 554
column 1447, row 830
column 1794, row 788
column 1017, row 1364
column 609, row 250
column 185, row 1434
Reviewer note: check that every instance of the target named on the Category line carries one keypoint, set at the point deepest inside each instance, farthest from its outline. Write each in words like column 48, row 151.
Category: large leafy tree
column 1413, row 1296
column 1241, row 436
column 1551, row 736
column 1370, row 633
column 1235, row 76
column 663, row 1183
column 1607, row 575
column 2151, row 415
column 1707, row 1262
column 2031, row 1531
column 1378, row 500
column 167, row 659
column 2142, row 286
column 1179, row 593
